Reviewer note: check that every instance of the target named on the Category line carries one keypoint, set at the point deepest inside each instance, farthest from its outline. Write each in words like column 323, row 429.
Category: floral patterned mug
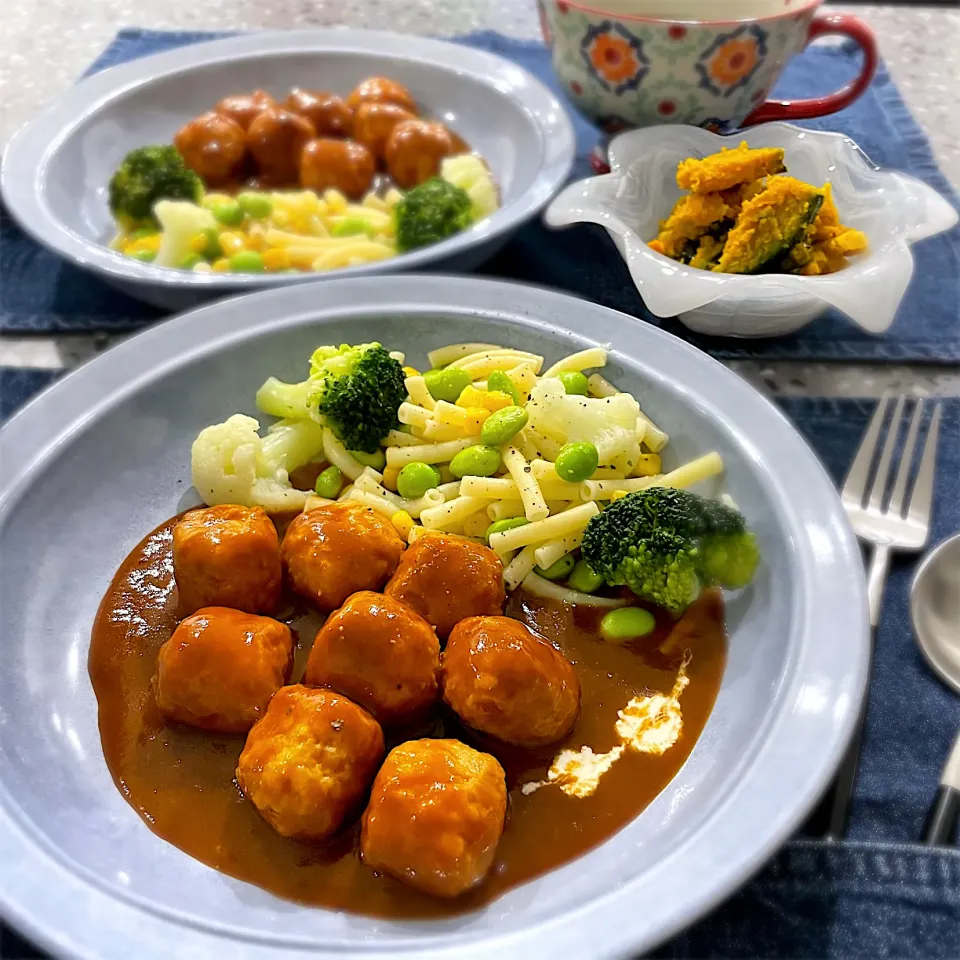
column 622, row 70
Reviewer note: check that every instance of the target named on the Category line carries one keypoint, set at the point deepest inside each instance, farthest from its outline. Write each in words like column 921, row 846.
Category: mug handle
column 835, row 23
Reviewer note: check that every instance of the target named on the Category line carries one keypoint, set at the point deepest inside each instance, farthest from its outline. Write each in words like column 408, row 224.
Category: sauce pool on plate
column 182, row 783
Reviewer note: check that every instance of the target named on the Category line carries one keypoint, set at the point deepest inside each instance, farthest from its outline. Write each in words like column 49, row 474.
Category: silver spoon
column 935, row 612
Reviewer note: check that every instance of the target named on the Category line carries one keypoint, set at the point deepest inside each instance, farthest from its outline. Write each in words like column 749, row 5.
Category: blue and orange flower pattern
column 614, row 56
column 731, row 61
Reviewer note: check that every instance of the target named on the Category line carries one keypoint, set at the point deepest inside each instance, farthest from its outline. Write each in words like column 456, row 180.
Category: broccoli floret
column 431, row 212
column 149, row 174
column 356, row 391
column 664, row 543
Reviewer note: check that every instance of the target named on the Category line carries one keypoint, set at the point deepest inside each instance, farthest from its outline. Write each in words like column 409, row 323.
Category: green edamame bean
column 328, row 483
column 574, row 382
column 377, row 460
column 476, row 461
column 415, row 479
column 502, row 426
column 145, row 256
column 559, row 570
column 577, row 461
column 254, row 205
column 246, row 261
column 228, row 212
column 498, row 526
column 584, row 579
column 499, row 380
column 142, row 232
column 447, row 384
column 190, row 261
column 211, row 249
column 626, row 623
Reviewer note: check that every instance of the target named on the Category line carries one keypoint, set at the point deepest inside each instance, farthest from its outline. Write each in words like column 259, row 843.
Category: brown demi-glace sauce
column 181, row 781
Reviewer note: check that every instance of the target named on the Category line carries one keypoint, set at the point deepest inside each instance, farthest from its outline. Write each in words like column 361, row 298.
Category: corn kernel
column 648, row 465
column 280, row 219
column 402, row 523
column 336, row 202
column 475, row 418
column 221, row 266
column 202, row 267
column 411, row 372
column 390, row 475
column 617, row 494
column 199, row 243
column 232, row 243
column 276, row 258
column 210, row 200
column 151, row 243
column 495, row 400
column 255, row 241
column 470, row 397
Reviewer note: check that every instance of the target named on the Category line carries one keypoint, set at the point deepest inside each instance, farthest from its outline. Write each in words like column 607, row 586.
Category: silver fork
column 887, row 525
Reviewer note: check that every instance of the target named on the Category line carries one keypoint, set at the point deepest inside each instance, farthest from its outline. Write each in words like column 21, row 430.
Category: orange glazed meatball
column 374, row 122
column 446, row 578
column 381, row 654
column 504, row 680
column 336, row 550
column 275, row 139
column 435, row 816
column 308, row 763
column 381, row 90
column 415, row 148
column 344, row 165
column 221, row 667
column 243, row 107
column 329, row 114
column 212, row 146
column 227, row 556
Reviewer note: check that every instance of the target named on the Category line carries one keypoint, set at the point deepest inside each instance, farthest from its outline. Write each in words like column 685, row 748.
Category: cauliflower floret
column 470, row 173
column 609, row 423
column 232, row 463
column 180, row 222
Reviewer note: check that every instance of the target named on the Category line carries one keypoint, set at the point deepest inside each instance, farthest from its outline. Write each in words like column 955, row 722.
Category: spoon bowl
column 935, row 610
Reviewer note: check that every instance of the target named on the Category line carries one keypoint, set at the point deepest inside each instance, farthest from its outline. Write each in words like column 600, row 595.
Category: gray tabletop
column 46, row 44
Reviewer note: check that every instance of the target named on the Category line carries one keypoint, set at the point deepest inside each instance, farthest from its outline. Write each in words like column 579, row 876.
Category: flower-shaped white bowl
column 894, row 211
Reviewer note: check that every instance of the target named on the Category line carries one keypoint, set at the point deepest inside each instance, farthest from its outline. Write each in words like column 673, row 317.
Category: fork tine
column 854, row 487
column 883, row 466
column 922, row 496
column 906, row 461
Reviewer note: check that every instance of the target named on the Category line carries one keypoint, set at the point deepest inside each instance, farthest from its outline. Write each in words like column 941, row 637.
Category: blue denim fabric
column 39, row 293
column 878, row 894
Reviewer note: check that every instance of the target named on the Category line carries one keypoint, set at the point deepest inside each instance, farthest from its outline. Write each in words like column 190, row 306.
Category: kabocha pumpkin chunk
column 726, row 169
column 769, row 225
column 691, row 218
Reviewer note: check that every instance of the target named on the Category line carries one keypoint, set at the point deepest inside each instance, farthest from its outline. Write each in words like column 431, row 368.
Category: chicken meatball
column 446, row 578
column 221, row 667
column 343, row 165
column 374, row 122
column 308, row 763
column 227, row 556
column 381, row 654
column 381, row 90
column 336, row 550
column 435, row 816
column 507, row 682
column 329, row 114
column 213, row 147
column 244, row 107
column 415, row 148
column 275, row 139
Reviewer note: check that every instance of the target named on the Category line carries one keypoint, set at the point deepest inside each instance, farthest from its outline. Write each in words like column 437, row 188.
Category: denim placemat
column 877, row 894
column 39, row 293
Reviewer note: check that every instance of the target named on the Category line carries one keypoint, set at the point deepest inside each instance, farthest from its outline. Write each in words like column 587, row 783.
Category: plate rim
column 33, row 434
column 34, row 144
